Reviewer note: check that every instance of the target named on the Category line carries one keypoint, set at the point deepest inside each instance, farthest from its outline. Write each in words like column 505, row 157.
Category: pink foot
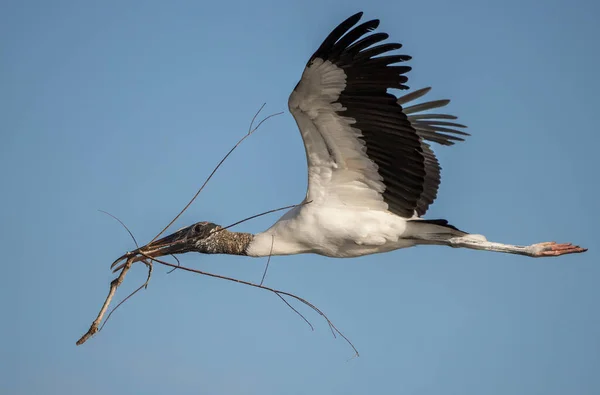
column 550, row 248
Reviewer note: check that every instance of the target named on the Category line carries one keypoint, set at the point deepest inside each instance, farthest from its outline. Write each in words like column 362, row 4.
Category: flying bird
column 372, row 173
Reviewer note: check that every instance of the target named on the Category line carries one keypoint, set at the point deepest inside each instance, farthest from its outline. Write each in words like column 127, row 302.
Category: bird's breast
column 330, row 231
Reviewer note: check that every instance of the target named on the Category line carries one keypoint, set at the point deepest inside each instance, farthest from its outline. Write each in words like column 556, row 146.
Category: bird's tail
column 432, row 230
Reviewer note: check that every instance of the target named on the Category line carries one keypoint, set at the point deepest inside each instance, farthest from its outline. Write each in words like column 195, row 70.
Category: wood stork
column 371, row 171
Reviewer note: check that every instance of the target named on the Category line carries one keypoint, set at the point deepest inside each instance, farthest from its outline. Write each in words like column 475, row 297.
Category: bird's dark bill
column 179, row 242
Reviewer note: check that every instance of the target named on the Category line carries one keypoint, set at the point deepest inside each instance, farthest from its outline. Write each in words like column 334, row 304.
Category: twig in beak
column 114, row 284
column 131, row 258
column 145, row 255
column 144, row 285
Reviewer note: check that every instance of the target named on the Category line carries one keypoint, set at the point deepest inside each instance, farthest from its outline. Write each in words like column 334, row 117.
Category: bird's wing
column 362, row 150
column 431, row 127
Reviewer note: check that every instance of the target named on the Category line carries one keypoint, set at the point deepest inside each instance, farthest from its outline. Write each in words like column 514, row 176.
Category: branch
column 251, row 130
column 262, row 280
column 263, row 213
column 134, row 256
column 114, row 284
column 143, row 286
column 123, row 225
column 277, row 292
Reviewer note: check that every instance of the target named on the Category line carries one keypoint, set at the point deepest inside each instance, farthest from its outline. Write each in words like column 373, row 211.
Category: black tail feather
column 438, row 222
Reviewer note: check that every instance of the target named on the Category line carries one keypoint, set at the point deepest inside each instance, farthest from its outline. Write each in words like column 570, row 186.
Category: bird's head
column 203, row 237
column 193, row 238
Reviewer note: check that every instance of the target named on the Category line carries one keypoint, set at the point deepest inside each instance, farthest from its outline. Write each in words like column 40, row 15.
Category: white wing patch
column 339, row 171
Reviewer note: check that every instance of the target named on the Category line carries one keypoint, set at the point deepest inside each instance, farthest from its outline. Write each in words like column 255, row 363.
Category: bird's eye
column 196, row 228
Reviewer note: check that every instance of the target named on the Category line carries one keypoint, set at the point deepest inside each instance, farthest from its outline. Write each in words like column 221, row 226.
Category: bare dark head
column 203, row 237
column 184, row 240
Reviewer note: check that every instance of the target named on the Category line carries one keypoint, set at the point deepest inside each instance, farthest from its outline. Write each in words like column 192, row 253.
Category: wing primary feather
column 443, row 123
column 387, row 60
column 412, row 96
column 416, row 117
column 365, row 42
column 352, row 36
column 335, row 35
column 426, row 106
column 430, row 128
column 378, row 50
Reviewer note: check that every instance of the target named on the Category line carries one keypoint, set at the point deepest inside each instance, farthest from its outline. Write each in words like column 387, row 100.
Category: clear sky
column 127, row 106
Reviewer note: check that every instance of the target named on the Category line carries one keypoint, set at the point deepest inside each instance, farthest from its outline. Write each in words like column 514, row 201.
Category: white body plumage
column 344, row 214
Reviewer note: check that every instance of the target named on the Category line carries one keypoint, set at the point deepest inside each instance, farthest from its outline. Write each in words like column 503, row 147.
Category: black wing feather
column 394, row 137
column 430, row 127
column 391, row 142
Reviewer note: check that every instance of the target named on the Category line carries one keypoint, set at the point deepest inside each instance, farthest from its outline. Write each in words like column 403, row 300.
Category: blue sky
column 127, row 106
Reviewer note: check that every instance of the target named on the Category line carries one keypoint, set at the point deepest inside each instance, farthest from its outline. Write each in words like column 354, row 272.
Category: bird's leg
column 539, row 250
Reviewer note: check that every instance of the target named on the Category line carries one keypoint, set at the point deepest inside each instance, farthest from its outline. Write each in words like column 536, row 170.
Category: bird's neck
column 225, row 242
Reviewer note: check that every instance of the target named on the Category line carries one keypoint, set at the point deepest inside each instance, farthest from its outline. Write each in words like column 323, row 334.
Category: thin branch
column 264, row 213
column 144, row 285
column 150, row 267
column 275, row 291
column 254, row 118
column 250, row 131
column 133, row 257
column 94, row 328
column 126, row 228
column 296, row 311
column 178, row 264
column 114, row 284
column 262, row 280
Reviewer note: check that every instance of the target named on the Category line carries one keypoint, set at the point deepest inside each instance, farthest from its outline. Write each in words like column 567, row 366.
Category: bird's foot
column 551, row 248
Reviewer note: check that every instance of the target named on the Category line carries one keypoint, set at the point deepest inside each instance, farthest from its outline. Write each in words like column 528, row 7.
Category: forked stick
column 131, row 259
column 114, row 284
column 136, row 255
